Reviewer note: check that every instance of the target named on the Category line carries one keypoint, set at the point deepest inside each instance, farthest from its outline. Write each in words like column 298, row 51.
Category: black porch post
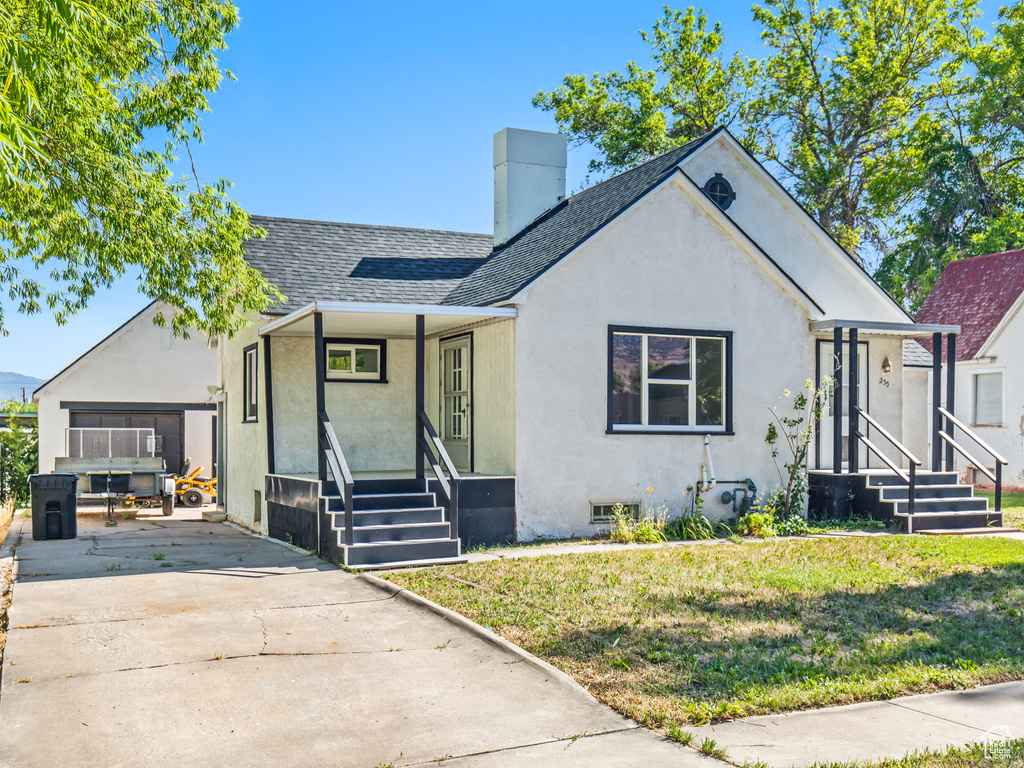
column 854, row 402
column 837, row 402
column 421, row 394
column 268, row 387
column 321, row 375
column 950, row 393
column 936, row 401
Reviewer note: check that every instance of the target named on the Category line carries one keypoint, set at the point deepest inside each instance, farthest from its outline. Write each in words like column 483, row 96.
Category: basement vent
column 603, row 512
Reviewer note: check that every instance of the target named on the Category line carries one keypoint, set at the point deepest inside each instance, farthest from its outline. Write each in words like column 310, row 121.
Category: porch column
column 936, row 401
column 321, row 374
column 950, row 393
column 421, row 395
column 854, row 380
column 837, row 402
column 268, row 388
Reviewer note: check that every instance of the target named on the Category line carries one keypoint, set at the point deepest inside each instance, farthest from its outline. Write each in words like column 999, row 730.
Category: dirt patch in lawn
column 685, row 636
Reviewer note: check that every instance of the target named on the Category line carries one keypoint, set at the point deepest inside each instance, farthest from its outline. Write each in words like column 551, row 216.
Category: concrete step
column 392, row 533
column 949, row 520
column 367, row 501
column 409, row 516
column 394, row 485
column 390, row 553
column 879, row 478
column 898, row 492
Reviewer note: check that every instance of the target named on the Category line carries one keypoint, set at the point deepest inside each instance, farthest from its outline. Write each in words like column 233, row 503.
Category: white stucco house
column 419, row 387
column 140, row 377
column 984, row 295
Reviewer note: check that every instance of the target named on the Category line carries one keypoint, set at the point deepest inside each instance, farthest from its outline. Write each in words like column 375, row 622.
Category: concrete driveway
column 175, row 642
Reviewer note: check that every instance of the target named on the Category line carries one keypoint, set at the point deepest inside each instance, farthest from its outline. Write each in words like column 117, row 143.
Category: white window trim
column 336, row 375
column 690, row 384
column 609, row 518
column 974, row 397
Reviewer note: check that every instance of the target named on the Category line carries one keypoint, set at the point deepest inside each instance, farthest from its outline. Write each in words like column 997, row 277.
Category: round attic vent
column 720, row 190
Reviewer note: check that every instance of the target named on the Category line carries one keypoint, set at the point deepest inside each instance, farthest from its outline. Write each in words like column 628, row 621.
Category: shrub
column 643, row 529
column 691, row 525
column 19, row 455
column 758, row 524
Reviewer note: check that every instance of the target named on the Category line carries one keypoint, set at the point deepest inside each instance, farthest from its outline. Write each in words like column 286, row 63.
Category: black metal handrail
column 339, row 471
column 914, row 462
column 450, row 484
column 997, row 476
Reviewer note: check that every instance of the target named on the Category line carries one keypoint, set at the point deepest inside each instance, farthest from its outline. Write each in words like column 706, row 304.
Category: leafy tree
column 829, row 105
column 89, row 89
column 19, row 453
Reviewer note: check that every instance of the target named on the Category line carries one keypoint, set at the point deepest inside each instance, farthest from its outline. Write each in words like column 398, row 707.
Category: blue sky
column 380, row 113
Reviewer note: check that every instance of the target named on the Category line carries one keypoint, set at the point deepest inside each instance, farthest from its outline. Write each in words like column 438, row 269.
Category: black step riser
column 399, row 533
column 394, row 501
column 392, row 517
column 389, row 486
column 924, row 523
column 398, row 553
column 945, row 505
column 927, row 492
column 942, row 478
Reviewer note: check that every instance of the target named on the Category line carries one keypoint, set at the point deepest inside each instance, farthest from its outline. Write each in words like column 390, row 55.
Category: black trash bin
column 54, row 506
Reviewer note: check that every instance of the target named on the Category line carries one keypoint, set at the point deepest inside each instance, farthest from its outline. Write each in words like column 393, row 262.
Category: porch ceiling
column 904, row 330
column 391, row 321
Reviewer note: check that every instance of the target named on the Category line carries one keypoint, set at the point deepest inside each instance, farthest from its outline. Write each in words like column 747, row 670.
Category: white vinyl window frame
column 982, row 417
column 250, row 383
column 353, row 348
column 724, row 337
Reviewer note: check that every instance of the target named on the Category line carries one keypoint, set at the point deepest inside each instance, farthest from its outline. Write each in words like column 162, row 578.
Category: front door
column 456, row 400
column 826, row 366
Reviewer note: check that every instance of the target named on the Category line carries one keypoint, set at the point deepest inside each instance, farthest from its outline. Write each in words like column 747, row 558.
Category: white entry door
column 826, row 366
column 456, row 400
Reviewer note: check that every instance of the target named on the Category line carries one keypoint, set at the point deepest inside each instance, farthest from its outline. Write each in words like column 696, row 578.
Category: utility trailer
column 116, row 464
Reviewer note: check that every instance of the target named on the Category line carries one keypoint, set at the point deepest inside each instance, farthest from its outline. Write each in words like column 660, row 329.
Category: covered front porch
column 862, row 469
column 386, row 442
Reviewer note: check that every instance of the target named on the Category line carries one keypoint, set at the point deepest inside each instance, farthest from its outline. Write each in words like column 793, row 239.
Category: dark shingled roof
column 975, row 294
column 311, row 260
column 916, row 356
column 549, row 238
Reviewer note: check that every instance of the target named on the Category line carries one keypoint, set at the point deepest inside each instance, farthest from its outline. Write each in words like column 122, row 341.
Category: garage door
column 168, row 425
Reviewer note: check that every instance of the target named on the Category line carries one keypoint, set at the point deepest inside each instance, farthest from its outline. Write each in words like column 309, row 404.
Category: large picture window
column 664, row 380
column 250, row 357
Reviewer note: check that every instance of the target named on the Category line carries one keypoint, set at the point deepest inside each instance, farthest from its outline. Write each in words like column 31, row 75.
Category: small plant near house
column 691, row 525
column 760, row 525
column 794, row 429
column 646, row 528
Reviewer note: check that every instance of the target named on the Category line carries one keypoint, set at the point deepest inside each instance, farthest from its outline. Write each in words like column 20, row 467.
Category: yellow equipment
column 190, row 486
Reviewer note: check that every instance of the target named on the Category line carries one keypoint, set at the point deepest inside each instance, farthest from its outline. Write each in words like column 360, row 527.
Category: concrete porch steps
column 941, row 503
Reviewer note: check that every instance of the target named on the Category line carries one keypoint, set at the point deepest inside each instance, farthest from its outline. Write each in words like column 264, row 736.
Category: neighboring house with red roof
column 984, row 295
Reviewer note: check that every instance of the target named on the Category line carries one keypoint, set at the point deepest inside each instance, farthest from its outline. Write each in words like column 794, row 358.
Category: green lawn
column 1009, row 755
column 680, row 636
column 1013, row 507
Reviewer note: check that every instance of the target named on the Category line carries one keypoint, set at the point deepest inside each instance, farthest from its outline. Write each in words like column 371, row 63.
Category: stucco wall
column 796, row 244
column 663, row 264
column 140, row 363
column 917, row 413
column 246, row 448
column 494, row 404
column 1005, row 356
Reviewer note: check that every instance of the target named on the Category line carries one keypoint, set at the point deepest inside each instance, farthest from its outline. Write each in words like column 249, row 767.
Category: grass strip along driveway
column 680, row 636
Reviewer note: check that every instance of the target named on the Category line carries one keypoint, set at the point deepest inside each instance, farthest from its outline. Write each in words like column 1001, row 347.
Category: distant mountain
column 11, row 384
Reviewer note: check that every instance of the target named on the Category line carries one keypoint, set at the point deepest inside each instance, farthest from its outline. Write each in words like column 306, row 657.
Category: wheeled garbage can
column 54, row 506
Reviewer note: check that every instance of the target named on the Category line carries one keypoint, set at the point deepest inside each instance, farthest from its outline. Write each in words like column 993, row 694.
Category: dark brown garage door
column 169, row 425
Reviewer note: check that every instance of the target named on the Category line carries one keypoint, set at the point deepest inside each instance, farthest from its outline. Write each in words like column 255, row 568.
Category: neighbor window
column 250, row 356
column 355, row 360
column 669, row 381
column 988, row 398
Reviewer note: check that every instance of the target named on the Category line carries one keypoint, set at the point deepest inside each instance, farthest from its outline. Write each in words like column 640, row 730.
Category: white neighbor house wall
column 1001, row 353
column 138, row 363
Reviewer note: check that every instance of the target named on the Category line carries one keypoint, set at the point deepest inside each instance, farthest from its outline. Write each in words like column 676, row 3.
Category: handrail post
column 999, row 486
column 913, row 488
column 453, row 508
column 349, row 522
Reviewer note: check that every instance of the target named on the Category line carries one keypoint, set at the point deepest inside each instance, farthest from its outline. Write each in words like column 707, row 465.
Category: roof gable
column 975, row 294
